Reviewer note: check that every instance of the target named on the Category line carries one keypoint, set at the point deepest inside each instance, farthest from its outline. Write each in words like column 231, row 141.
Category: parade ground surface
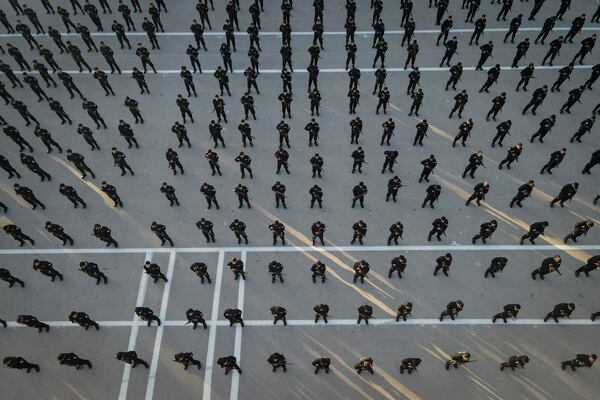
column 386, row 341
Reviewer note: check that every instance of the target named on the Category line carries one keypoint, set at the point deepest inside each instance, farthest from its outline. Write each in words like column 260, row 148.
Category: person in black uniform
column 219, row 109
column 144, row 56
column 433, row 194
column 126, row 131
column 195, row 317
column 496, row 266
column 585, row 127
column 119, row 161
column 566, row 193
column 173, row 161
column 210, row 194
column 15, row 232
column 480, row 24
column 119, row 30
column 275, row 269
column 279, row 190
column 6, row 276
column 186, row 359
column 104, row 234
column 360, row 231
column 92, row 110
column 181, row 134
column 91, row 270
column 20, row 363
column 365, row 312
column 486, row 230
column 79, row 161
column 321, row 311
column 581, row 228
column 277, row 360
column 15, row 135
column 509, row 311
column 58, row 232
column 244, row 160
column 492, row 77
column 27, row 195
column 439, row 228
column 146, row 314
column 460, row 100
column 234, row 316
column 451, row 48
column 161, row 232
column 83, row 319
column 593, row 263
column 5, row 164
column 479, row 192
column 111, row 192
column 317, row 229
column 199, row 268
column 359, row 192
column 213, row 161
column 536, row 229
column 361, row 270
column 246, row 131
column 278, row 231
column 242, row 193
column 537, row 98
column 279, row 314
column 130, row 357
column 561, row 310
column 32, row 322
column 364, row 364
column 248, row 103
column 34, row 167
column 522, row 49
column 228, row 363
column 475, row 160
column 523, row 192
column 322, row 363
column 102, row 78
column 205, row 225
column 140, row 78
column 515, row 362
column 24, row 112
column 549, row 265
column 46, row 268
column 443, row 262
column 452, row 310
column 581, row 360
column 184, row 108
column 153, row 270
column 150, row 29
column 239, row 229
column 464, row 131
column 512, row 155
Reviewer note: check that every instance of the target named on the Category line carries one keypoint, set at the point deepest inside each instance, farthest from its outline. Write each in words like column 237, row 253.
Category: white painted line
column 212, row 334
column 134, row 329
column 435, row 321
column 288, row 249
column 505, row 68
column 159, row 332
column 332, row 322
column 310, row 33
column 237, row 349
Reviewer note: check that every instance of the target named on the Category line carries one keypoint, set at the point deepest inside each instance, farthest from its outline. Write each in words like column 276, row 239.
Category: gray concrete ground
column 342, row 341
